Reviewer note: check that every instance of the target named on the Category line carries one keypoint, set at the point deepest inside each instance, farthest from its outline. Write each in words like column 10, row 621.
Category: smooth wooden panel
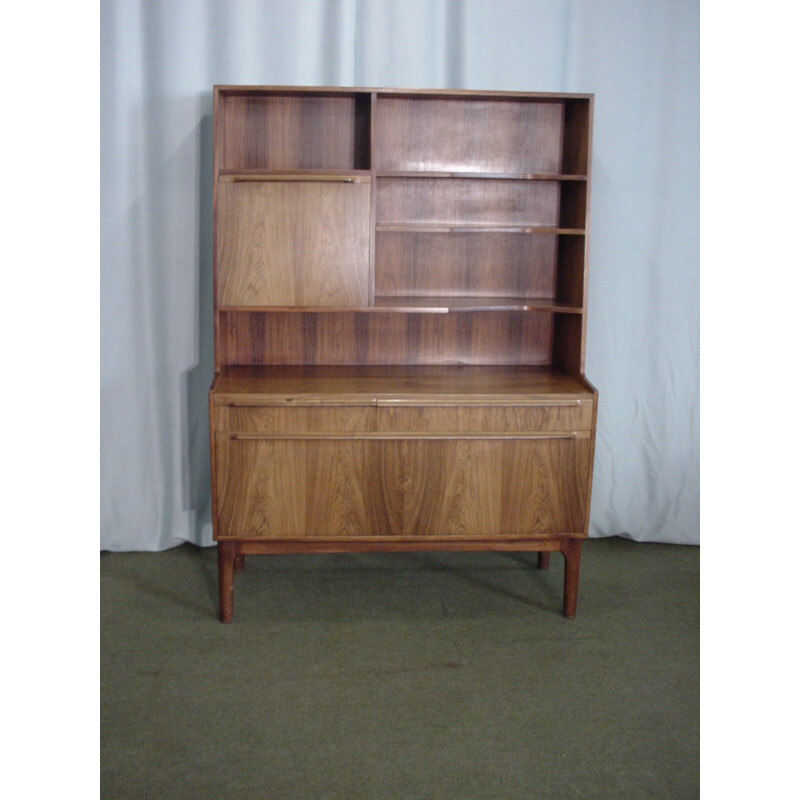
column 435, row 385
column 489, row 487
column 440, row 200
column 573, row 415
column 467, row 135
column 261, row 488
column 284, row 488
column 293, row 243
column 481, row 337
column 294, row 131
column 467, row 264
column 545, row 486
column 297, row 419
column 276, row 488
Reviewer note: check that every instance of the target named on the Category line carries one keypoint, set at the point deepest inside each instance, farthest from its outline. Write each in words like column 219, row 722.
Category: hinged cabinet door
column 293, row 243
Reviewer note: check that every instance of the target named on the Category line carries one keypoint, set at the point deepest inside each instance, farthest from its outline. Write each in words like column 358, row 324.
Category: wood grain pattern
column 456, row 202
column 400, row 385
column 573, row 415
column 467, row 135
column 298, row 488
column 480, row 337
column 291, row 130
column 294, row 488
column 293, row 244
column 299, row 419
column 465, row 264
column 400, row 281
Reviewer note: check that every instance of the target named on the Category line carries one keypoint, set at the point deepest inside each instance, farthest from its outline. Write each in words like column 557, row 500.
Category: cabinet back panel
column 468, row 135
column 485, row 337
column 464, row 201
column 465, row 264
column 286, row 131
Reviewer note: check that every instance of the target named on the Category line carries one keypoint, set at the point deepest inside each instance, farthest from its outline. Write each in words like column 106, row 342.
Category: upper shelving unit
column 373, row 215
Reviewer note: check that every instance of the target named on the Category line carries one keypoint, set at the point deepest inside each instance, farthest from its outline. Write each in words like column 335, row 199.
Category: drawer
column 569, row 415
column 296, row 419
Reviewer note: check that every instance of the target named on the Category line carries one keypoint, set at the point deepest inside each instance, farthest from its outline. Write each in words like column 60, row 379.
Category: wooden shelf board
column 333, row 175
column 445, row 384
column 459, row 303
column 514, row 176
column 473, row 227
column 431, row 305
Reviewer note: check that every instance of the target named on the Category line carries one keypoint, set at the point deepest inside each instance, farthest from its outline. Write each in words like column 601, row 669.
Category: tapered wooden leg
column 238, row 564
column 544, row 559
column 571, row 549
column 226, row 556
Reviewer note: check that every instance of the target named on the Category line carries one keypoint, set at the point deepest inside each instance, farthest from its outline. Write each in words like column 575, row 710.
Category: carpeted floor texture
column 428, row 675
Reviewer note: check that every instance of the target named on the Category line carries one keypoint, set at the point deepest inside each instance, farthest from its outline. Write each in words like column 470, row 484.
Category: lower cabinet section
column 375, row 485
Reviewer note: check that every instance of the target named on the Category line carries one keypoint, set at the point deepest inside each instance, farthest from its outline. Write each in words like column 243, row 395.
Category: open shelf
column 292, row 130
column 306, row 175
column 423, row 304
column 475, row 227
column 505, row 176
column 413, row 303
column 480, row 133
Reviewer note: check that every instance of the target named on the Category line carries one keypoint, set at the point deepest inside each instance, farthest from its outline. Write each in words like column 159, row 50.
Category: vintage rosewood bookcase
column 399, row 324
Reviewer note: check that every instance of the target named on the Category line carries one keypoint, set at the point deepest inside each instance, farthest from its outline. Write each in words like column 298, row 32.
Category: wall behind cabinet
column 159, row 60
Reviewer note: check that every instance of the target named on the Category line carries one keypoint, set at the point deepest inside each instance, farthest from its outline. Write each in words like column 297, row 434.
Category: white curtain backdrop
column 159, row 61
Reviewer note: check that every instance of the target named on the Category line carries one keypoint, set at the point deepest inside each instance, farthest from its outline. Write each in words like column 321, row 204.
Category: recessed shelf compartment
column 289, row 130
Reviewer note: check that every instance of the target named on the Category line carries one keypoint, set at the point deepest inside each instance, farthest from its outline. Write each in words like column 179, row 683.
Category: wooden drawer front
column 572, row 415
column 296, row 419
column 391, row 486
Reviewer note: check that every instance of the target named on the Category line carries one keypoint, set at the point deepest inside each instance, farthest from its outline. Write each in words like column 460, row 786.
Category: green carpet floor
column 401, row 676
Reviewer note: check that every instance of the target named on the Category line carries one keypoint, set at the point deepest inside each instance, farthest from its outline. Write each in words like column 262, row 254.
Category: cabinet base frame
column 231, row 553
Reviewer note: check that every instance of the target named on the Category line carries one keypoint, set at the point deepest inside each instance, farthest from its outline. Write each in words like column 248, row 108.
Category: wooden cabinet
column 400, row 323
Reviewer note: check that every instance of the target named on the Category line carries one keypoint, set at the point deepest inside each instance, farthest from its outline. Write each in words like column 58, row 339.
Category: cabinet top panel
column 460, row 93
column 432, row 384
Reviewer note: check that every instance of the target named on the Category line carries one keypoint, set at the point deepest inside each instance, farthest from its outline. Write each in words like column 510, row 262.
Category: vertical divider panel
column 373, row 195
